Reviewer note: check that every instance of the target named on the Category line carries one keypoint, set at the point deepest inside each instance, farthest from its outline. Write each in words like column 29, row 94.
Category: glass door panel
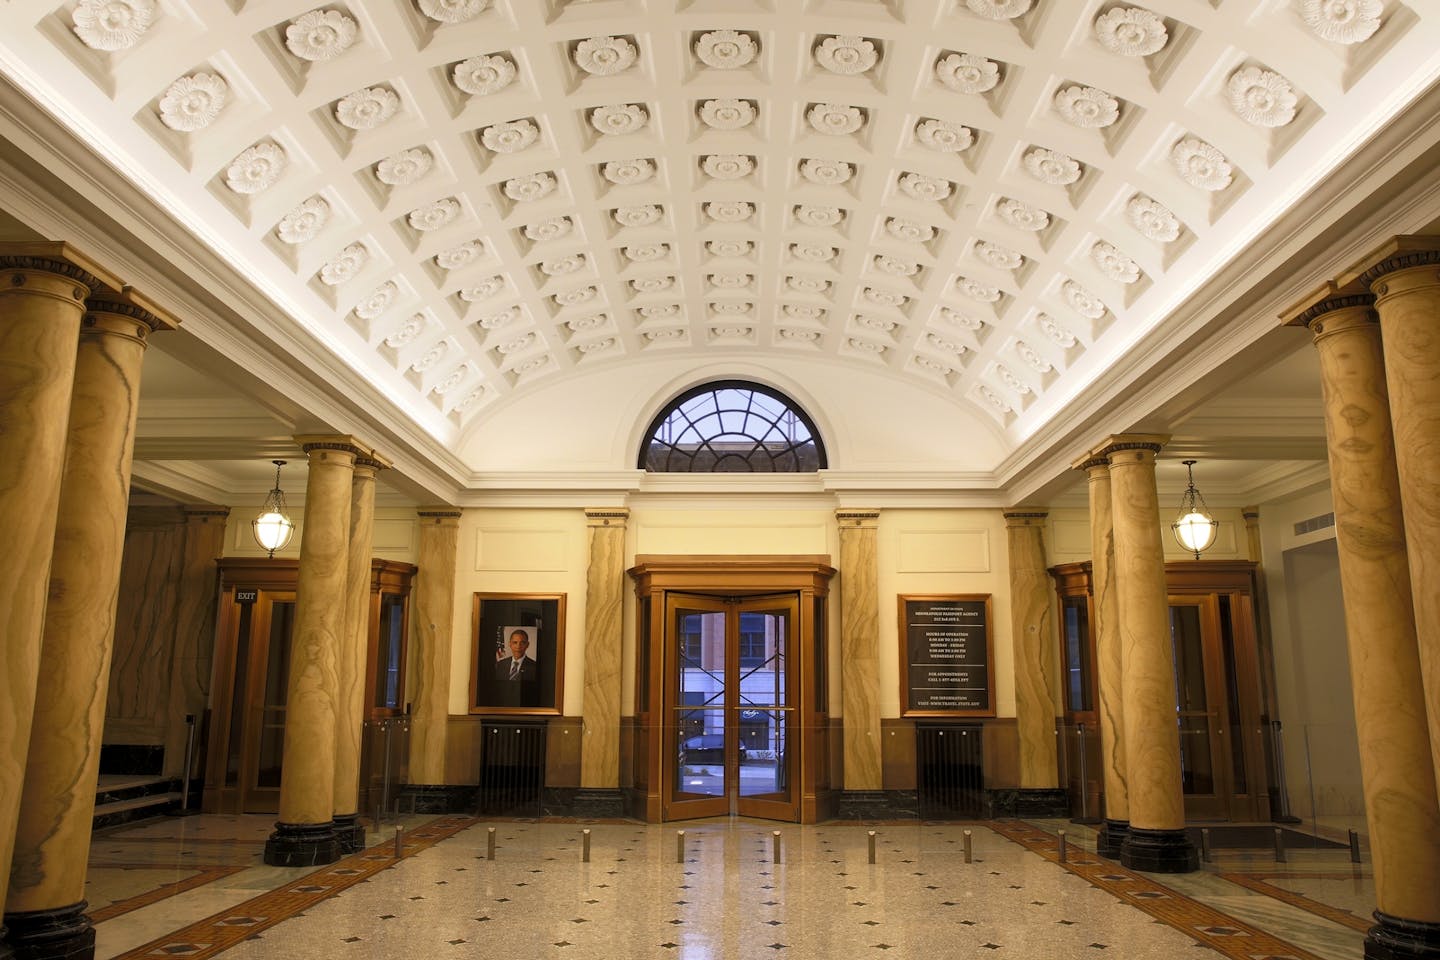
column 266, row 689
column 1199, row 698
column 696, row 736
column 764, row 711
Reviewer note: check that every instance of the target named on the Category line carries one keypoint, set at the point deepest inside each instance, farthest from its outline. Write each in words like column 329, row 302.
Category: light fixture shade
column 273, row 528
column 1195, row 532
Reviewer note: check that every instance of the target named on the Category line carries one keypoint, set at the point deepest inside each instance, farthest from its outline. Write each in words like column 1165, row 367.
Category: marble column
column 43, row 287
column 45, row 905
column 305, row 833
column 1390, row 714
column 353, row 654
column 1105, row 626
column 1251, row 516
column 604, row 600
column 1156, row 841
column 191, row 655
column 860, row 647
column 1033, row 635
column 1405, row 279
column 432, row 630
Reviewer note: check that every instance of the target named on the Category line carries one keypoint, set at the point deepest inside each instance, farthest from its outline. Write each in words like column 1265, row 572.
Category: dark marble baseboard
column 584, row 803
column 1022, row 804
column 437, row 798
column 141, row 759
column 877, row 805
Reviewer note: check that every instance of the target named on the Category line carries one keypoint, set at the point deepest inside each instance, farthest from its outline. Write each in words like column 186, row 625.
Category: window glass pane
column 732, row 427
column 1078, row 684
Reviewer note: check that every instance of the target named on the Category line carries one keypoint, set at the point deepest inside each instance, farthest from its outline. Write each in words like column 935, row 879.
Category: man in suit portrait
column 515, row 674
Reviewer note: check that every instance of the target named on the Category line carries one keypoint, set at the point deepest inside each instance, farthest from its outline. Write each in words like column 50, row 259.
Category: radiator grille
column 949, row 771
column 512, row 769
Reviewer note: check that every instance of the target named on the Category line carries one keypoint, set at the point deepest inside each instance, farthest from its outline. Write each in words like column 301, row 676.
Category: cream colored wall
column 395, row 533
column 1070, row 535
column 944, row 551
column 520, row 551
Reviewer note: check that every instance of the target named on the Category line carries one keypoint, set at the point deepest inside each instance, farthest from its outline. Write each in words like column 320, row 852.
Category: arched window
column 732, row 426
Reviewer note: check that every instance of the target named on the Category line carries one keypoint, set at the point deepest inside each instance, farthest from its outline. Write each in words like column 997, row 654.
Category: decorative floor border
column 118, row 908
column 1221, row 932
column 1257, row 882
column 223, row 930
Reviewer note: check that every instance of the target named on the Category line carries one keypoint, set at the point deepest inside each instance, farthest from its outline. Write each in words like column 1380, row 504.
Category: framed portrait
column 517, row 664
column 946, row 656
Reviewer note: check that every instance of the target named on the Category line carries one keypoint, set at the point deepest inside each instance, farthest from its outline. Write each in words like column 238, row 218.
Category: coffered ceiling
column 468, row 202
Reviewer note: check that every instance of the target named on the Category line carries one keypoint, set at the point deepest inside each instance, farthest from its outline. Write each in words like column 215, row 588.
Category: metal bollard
column 1354, row 847
column 399, row 841
column 584, row 846
column 490, row 843
column 1205, row 844
column 969, row 850
column 679, row 846
column 775, row 846
column 1279, row 846
column 1064, row 849
column 872, row 846
column 189, row 762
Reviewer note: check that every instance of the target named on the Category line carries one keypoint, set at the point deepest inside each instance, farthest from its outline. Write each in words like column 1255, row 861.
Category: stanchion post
column 584, row 846
column 872, row 846
column 399, row 841
column 189, row 761
column 1064, row 850
column 1279, row 845
column 679, row 846
column 1205, row 844
column 969, row 849
column 1354, row 847
column 489, row 843
column 775, row 846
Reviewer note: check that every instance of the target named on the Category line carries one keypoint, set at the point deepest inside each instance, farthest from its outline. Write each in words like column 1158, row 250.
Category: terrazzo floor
column 195, row 887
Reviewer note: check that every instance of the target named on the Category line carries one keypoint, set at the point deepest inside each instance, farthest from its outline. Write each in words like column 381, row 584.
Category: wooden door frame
column 808, row 576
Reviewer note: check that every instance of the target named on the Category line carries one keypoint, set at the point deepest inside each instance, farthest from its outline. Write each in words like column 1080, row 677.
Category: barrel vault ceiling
column 987, row 202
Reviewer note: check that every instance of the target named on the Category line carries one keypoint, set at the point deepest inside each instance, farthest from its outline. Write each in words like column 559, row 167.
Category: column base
column 1394, row 938
column 63, row 933
column 302, row 845
column 1159, row 851
column 349, row 833
column 1110, row 837
column 5, row 952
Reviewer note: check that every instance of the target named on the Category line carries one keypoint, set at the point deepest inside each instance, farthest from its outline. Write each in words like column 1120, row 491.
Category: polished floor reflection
column 196, row 887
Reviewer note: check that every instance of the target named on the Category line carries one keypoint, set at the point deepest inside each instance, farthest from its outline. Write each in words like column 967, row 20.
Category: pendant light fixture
column 1195, row 530
column 273, row 528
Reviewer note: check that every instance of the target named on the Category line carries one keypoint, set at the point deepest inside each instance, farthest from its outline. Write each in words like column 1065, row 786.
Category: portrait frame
column 494, row 618
column 949, row 636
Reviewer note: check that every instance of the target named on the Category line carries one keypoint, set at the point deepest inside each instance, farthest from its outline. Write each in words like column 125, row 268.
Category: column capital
column 438, row 514
column 1327, row 299
column 197, row 512
column 861, row 518
column 1250, row 513
column 1145, row 442
column 372, row 461
column 132, row 306
column 1091, row 461
column 1025, row 518
column 59, row 258
column 606, row 516
column 339, row 443
column 1397, row 253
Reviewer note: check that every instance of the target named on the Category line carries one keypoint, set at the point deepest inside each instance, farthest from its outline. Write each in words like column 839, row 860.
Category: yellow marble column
column 432, row 629
column 1404, row 276
column 604, row 598
column 354, row 650
column 860, row 647
column 305, row 833
column 1390, row 712
column 1033, row 635
column 45, row 906
column 1156, row 840
column 43, row 287
column 1105, row 626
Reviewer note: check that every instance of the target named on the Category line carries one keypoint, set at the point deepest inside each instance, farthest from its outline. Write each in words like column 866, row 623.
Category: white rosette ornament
column 909, row 230
column 320, row 35
column 642, row 215
column 727, row 114
column 815, row 215
column 998, row 9
column 404, row 168
column 1001, row 258
column 620, row 119
column 846, row 55
column 1152, row 219
column 510, row 137
column 367, row 109
column 835, row 119
column 1114, row 264
column 110, row 25
column 727, row 166
column 729, row 211
column 435, row 215
column 304, row 222
column 453, row 11
column 461, row 255
column 1051, row 166
column 192, row 103
column 626, row 172
column 1087, row 107
column 1261, row 98
column 1131, row 32
column 967, row 73
column 605, row 56
column 377, row 301
column 256, row 168
column 552, row 229
column 1342, row 21
column 918, row 186
column 483, row 76
column 826, row 173
column 1022, row 216
column 725, row 49
column 528, row 189
column 729, row 249
column 944, row 136
column 1201, row 165
column 345, row 265
column 1082, row 301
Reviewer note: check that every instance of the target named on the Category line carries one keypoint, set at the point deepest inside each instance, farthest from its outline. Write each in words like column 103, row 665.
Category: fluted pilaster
column 432, row 626
column 860, row 647
column 604, row 597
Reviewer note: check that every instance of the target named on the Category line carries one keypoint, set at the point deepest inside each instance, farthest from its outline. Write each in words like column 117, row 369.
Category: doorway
column 731, row 690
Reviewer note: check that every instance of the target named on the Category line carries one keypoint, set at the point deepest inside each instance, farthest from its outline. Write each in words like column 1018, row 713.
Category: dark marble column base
column 5, row 952
column 349, row 833
column 1394, row 938
column 1110, row 837
column 1159, row 851
column 584, row 803
column 1028, row 803
column 436, row 798
column 63, row 933
column 302, row 845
